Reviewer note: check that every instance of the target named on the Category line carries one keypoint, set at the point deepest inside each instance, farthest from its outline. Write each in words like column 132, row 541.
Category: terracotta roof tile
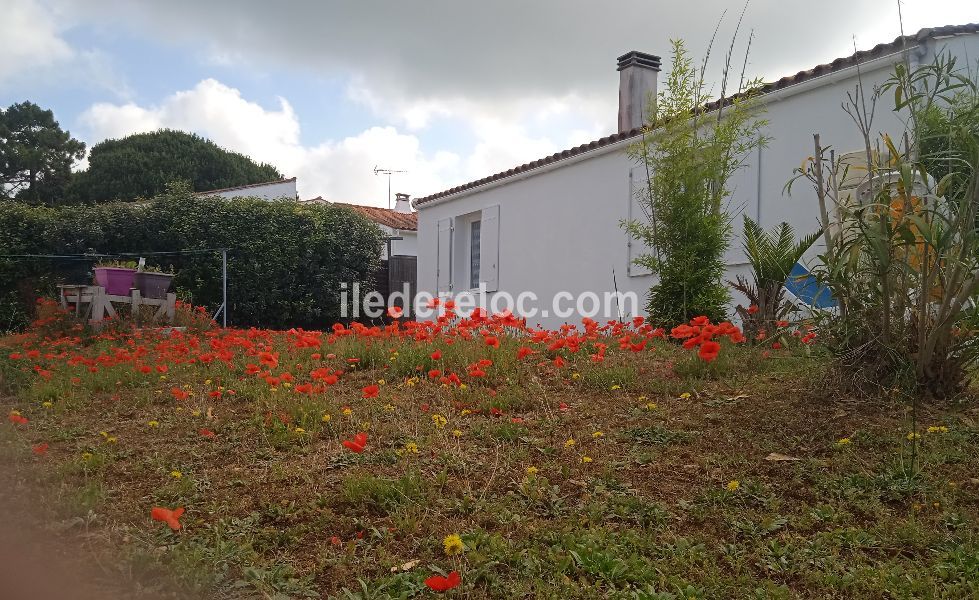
column 386, row 216
column 840, row 63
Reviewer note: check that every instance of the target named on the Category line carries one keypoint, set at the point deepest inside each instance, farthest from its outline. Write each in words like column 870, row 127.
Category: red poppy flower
column 395, row 312
column 709, row 350
column 170, row 517
column 179, row 394
column 443, row 584
column 436, row 355
column 358, row 443
column 207, row 433
column 41, row 448
column 434, row 374
column 524, row 352
column 371, row 391
column 491, row 340
column 752, row 309
column 18, row 419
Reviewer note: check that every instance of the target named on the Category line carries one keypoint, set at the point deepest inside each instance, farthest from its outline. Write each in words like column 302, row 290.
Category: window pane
column 474, row 254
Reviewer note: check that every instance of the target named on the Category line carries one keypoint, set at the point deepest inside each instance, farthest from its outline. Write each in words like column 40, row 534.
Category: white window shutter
column 636, row 212
column 489, row 248
column 443, row 274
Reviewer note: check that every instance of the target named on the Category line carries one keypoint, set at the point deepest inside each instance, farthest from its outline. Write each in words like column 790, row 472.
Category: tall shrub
column 286, row 261
column 902, row 254
column 691, row 149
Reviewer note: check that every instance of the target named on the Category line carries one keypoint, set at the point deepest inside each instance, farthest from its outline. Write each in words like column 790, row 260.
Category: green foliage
column 36, row 155
column 690, row 153
column 902, row 253
column 285, row 267
column 141, row 166
column 772, row 256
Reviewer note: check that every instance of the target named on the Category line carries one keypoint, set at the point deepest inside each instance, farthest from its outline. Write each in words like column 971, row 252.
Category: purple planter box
column 154, row 285
column 116, row 281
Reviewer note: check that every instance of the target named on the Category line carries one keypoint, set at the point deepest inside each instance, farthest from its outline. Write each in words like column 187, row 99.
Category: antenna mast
column 388, row 172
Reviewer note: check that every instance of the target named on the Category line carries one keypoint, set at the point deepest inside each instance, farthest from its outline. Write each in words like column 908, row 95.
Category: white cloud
column 30, row 39
column 339, row 170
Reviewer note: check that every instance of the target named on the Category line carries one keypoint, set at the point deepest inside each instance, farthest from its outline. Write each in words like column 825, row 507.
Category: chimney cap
column 636, row 58
column 401, row 196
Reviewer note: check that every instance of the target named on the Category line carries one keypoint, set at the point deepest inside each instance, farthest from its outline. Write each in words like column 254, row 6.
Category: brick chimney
column 402, row 203
column 638, row 73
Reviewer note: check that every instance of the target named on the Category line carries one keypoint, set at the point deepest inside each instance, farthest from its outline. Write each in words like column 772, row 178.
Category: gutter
column 773, row 96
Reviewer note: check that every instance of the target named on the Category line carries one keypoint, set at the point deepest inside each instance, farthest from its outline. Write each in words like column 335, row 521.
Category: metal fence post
column 224, row 286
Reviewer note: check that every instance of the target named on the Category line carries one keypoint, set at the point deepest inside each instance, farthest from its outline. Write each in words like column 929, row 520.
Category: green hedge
column 285, row 266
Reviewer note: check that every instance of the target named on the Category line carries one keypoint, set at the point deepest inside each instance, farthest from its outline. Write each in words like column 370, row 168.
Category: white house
column 552, row 226
column 399, row 225
column 283, row 189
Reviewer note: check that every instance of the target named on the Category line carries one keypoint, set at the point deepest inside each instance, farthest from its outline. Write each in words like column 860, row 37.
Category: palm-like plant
column 772, row 256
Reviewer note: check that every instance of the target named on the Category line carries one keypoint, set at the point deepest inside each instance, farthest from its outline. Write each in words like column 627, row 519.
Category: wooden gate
column 403, row 270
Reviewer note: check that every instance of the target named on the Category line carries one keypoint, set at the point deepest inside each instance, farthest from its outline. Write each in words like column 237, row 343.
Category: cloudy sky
column 447, row 90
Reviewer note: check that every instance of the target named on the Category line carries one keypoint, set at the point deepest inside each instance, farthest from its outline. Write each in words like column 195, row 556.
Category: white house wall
column 272, row 191
column 560, row 227
column 406, row 246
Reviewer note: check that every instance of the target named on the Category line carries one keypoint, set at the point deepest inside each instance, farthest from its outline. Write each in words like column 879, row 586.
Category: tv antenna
column 388, row 172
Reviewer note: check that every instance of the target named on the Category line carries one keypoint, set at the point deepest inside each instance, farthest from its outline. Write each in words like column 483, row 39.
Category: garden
column 478, row 458
column 829, row 453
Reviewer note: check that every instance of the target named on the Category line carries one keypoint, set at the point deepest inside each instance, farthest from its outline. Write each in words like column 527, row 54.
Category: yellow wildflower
column 569, row 443
column 531, row 470
column 938, row 429
column 576, row 376
column 439, row 420
column 650, row 406
column 389, row 407
column 86, row 455
column 411, row 448
column 685, row 395
column 347, row 412
column 326, row 417
column 453, row 545
column 176, row 474
column 153, row 423
column 914, row 436
column 457, row 433
column 597, row 434
column 47, row 404
column 733, row 485
column 843, row 441
column 586, row 459
column 380, row 382
column 299, row 430
column 616, row 387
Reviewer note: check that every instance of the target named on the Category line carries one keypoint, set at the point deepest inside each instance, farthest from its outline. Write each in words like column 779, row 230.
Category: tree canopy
column 36, row 155
column 141, row 166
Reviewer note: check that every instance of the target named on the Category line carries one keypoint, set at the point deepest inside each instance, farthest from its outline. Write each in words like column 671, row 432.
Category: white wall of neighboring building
column 407, row 246
column 559, row 225
column 275, row 190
